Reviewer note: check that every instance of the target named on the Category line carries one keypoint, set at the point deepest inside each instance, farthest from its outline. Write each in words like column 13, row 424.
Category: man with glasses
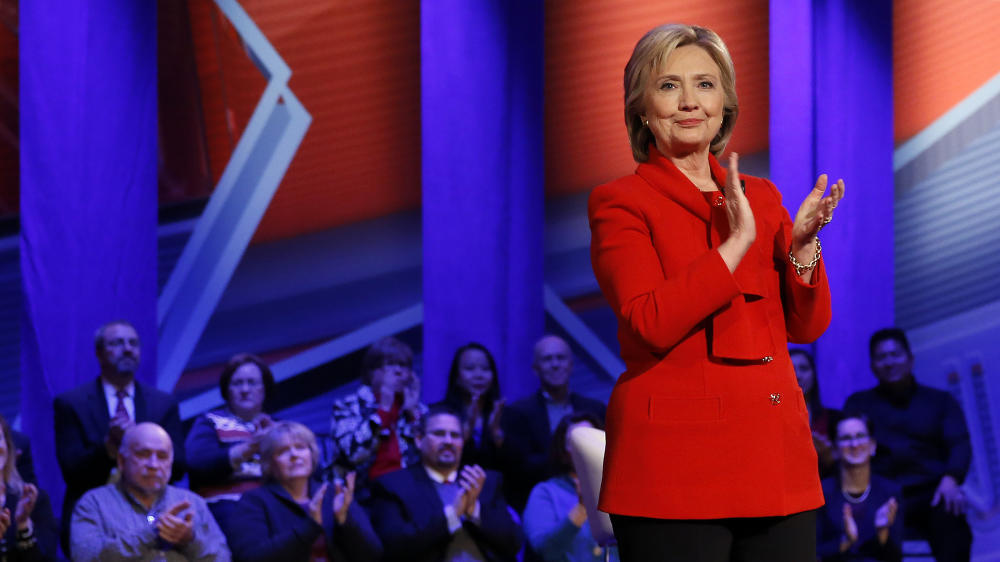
column 91, row 419
column 923, row 446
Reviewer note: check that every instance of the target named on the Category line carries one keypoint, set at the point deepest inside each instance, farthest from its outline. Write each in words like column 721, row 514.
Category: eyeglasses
column 249, row 383
column 856, row 439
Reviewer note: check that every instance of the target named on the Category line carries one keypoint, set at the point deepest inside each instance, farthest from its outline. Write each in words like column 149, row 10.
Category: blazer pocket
column 676, row 409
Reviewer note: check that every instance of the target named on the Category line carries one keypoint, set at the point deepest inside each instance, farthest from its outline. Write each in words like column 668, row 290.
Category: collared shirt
column 109, row 524
column 556, row 410
column 111, row 395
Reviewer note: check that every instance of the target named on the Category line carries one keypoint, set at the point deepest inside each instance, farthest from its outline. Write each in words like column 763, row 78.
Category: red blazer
column 708, row 420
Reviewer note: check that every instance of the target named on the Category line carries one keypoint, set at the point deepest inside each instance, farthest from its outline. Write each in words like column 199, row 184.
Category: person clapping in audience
column 821, row 418
column 439, row 511
column 292, row 517
column 861, row 520
column 473, row 389
column 28, row 529
column 374, row 429
column 555, row 520
column 141, row 517
column 223, row 444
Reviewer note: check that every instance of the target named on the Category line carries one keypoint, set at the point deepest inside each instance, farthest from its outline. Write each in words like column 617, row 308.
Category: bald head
column 553, row 364
column 145, row 459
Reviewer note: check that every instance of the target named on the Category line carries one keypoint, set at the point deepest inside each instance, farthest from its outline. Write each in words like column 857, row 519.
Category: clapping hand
column 343, row 496
column 814, row 213
column 174, row 528
column 850, row 529
column 316, row 504
column 742, row 228
column 117, row 427
column 496, row 429
column 578, row 513
column 25, row 505
column 885, row 516
column 471, row 481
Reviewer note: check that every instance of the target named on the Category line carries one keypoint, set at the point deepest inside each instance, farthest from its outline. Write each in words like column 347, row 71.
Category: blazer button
column 720, row 200
column 775, row 398
column 766, row 360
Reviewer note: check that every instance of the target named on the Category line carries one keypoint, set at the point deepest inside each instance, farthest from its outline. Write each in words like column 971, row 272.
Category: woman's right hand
column 25, row 506
column 316, row 504
column 850, row 529
column 742, row 228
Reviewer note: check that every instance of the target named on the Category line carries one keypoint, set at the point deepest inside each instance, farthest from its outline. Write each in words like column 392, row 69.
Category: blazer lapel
column 98, row 405
column 139, row 400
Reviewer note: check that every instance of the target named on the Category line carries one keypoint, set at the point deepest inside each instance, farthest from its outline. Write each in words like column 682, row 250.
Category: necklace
column 859, row 499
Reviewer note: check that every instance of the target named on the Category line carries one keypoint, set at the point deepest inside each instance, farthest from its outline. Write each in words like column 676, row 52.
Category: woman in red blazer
column 709, row 454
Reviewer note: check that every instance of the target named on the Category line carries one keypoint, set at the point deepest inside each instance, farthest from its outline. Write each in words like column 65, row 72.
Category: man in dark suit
column 528, row 423
column 433, row 511
column 91, row 418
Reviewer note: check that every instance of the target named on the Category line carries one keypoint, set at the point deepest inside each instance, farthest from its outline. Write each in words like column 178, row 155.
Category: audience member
column 821, row 418
column 923, row 446
column 292, row 517
column 528, row 424
column 434, row 511
column 28, row 530
column 91, row 418
column 555, row 520
column 374, row 429
column 22, row 449
column 860, row 520
column 141, row 516
column 474, row 390
column 223, row 445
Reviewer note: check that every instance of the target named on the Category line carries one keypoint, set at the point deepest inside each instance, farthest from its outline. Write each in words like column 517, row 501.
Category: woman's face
column 855, row 445
column 474, row 374
column 292, row 460
column 684, row 101
column 803, row 372
column 246, row 391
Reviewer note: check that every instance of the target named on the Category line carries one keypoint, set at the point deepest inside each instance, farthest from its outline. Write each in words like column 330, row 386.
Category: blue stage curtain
column 831, row 112
column 483, row 185
column 88, row 106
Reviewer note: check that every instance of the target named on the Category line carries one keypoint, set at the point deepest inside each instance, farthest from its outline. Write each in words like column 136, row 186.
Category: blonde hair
column 278, row 435
column 649, row 53
column 11, row 478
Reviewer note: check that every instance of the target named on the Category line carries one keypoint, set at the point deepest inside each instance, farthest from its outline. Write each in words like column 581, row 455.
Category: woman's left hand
column 343, row 496
column 496, row 428
column 25, row 505
column 814, row 213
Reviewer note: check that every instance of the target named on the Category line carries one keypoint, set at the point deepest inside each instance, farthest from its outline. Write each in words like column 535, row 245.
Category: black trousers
column 949, row 535
column 790, row 538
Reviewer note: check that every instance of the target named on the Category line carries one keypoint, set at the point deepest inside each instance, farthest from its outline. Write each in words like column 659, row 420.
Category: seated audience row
column 922, row 457
column 408, row 482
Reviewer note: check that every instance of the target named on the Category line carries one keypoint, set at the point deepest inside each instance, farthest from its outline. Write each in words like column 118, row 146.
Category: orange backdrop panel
column 356, row 69
column 588, row 42
column 943, row 50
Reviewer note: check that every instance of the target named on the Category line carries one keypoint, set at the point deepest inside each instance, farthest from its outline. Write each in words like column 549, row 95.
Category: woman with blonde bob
column 709, row 454
column 293, row 517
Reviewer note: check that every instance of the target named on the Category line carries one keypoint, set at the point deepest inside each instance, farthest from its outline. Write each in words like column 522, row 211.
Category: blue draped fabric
column 88, row 105
column 831, row 112
column 483, row 185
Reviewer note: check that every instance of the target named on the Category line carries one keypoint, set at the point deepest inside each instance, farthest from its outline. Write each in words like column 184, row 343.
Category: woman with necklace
column 861, row 520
